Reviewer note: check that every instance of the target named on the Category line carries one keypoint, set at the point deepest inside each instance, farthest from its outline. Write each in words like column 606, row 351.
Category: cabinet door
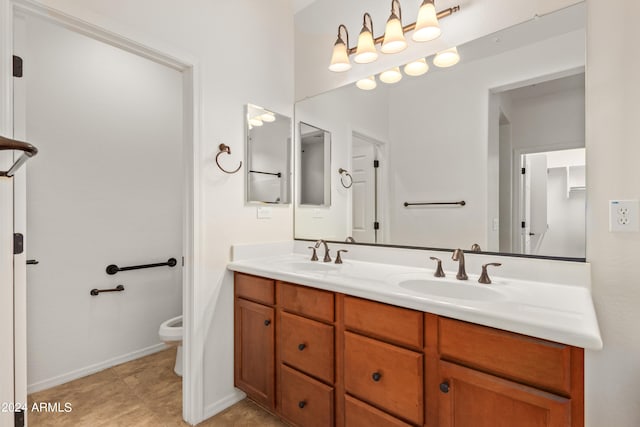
column 470, row 398
column 254, row 351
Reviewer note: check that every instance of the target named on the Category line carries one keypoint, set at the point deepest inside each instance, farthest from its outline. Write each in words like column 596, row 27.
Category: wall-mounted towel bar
column 461, row 203
column 11, row 144
column 113, row 269
column 96, row 292
column 278, row 174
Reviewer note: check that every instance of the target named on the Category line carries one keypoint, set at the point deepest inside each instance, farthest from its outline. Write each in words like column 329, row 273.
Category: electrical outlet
column 623, row 216
column 264, row 213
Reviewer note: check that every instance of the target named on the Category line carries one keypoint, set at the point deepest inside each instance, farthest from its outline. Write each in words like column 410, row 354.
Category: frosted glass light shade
column 340, row 57
column 367, row 84
column 268, row 117
column 416, row 68
column 427, row 27
column 394, row 40
column 366, row 51
column 447, row 58
column 391, row 76
column 255, row 121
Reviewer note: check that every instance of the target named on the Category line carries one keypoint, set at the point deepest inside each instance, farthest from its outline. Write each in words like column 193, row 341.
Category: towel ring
column 343, row 173
column 226, row 149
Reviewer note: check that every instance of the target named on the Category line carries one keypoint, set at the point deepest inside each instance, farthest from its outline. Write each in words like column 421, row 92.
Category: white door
column 363, row 191
column 535, row 201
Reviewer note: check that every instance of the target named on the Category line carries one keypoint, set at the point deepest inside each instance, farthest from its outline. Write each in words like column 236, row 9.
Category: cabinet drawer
column 387, row 376
column 532, row 361
column 306, row 301
column 359, row 414
column 307, row 345
column 305, row 401
column 394, row 324
column 255, row 288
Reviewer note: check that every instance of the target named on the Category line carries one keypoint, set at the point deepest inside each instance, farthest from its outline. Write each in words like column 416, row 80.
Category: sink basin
column 465, row 291
column 314, row 266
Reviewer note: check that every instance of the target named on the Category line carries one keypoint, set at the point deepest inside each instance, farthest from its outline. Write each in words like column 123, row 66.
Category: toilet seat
column 171, row 330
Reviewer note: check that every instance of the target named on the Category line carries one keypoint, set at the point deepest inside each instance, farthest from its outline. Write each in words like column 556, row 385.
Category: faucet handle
column 439, row 272
column 484, row 277
column 314, row 257
column 338, row 258
column 476, row 248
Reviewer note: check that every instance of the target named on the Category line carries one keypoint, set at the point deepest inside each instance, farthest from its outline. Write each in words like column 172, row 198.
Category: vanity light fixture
column 268, row 117
column 255, row 121
column 392, row 75
column 393, row 40
column 447, row 58
column 366, row 50
column 416, row 68
column 367, row 84
column 340, row 57
column 427, row 26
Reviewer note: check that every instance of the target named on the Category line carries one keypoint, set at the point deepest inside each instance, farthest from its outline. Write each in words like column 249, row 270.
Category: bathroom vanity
column 317, row 350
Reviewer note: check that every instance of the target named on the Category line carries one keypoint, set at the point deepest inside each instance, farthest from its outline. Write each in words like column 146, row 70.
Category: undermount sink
column 314, row 266
column 465, row 291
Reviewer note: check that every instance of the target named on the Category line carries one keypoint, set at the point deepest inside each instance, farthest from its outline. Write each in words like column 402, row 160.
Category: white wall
column 236, row 67
column 613, row 90
column 439, row 142
column 106, row 189
column 341, row 113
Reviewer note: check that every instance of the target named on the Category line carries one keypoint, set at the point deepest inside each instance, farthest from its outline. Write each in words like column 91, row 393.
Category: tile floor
column 143, row 392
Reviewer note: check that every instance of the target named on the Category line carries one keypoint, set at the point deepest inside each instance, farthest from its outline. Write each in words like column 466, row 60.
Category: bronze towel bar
column 11, row 144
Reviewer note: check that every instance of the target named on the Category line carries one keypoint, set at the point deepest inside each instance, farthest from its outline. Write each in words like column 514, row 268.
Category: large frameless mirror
column 489, row 152
column 268, row 156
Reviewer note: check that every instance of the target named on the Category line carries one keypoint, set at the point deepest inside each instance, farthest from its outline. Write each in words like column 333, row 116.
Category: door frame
column 131, row 40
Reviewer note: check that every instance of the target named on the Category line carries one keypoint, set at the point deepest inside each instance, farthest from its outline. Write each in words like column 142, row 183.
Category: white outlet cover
column 264, row 213
column 624, row 216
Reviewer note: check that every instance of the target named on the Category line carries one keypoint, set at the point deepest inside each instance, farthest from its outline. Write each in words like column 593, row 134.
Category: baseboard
column 92, row 369
column 224, row 403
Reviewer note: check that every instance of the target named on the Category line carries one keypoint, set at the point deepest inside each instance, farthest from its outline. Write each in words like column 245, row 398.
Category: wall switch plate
column 623, row 216
column 496, row 224
column 264, row 213
column 317, row 213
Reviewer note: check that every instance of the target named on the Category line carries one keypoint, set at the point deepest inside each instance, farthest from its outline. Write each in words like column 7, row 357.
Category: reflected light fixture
column 340, row 57
column 366, row 51
column 427, row 26
column 255, row 121
column 416, row 68
column 447, row 58
column 392, row 75
column 268, row 117
column 394, row 40
column 367, row 84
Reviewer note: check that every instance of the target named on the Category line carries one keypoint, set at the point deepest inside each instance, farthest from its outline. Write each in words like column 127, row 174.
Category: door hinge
column 376, row 163
column 376, row 225
column 522, row 224
column 17, row 66
column 18, row 418
column 523, row 170
column 18, row 243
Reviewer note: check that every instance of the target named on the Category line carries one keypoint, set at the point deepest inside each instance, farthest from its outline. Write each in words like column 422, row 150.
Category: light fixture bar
column 442, row 14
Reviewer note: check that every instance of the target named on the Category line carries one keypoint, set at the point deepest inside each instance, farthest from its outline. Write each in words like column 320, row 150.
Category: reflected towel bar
column 278, row 174
column 113, row 269
column 11, row 144
column 96, row 292
column 461, row 203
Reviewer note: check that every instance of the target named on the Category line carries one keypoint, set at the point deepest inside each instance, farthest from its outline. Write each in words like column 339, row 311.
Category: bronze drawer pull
column 301, row 346
column 302, row 404
column 444, row 387
column 376, row 376
column 267, row 322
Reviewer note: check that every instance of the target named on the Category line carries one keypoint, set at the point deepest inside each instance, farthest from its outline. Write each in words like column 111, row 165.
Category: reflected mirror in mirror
column 268, row 156
column 502, row 131
column 314, row 166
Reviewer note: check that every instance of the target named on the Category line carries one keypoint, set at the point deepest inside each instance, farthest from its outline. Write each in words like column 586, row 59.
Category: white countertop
column 552, row 311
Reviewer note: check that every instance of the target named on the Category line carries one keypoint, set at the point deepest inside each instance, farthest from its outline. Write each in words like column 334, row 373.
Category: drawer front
column 305, row 401
column 307, row 301
column 384, row 375
column 359, row 414
column 398, row 325
column 532, row 361
column 255, row 288
column 307, row 345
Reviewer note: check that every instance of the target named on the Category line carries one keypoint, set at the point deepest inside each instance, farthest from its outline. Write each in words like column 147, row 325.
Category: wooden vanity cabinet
column 254, row 344
column 323, row 359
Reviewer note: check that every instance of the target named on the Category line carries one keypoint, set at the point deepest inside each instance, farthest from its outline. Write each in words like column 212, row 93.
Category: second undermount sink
column 462, row 291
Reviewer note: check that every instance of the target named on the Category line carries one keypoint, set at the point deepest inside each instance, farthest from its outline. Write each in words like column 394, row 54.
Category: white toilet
column 171, row 334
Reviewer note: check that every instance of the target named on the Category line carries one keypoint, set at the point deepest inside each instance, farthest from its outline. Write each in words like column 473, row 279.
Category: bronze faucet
column 458, row 255
column 338, row 258
column 484, row 277
column 327, row 258
column 314, row 257
column 439, row 272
